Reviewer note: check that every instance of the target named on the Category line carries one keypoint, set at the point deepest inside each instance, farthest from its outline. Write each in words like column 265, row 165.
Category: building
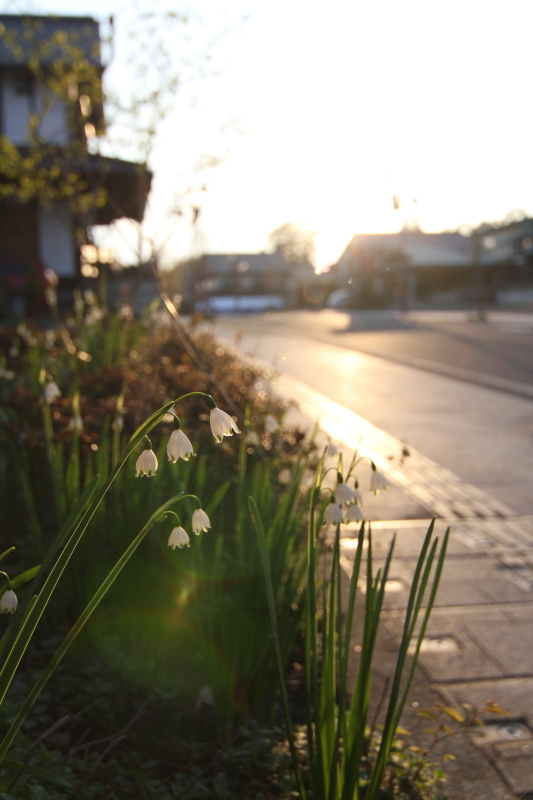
column 247, row 282
column 403, row 267
column 504, row 260
column 50, row 108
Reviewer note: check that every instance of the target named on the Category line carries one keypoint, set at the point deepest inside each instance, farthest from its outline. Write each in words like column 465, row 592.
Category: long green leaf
column 37, row 772
column 16, row 652
column 85, row 615
column 275, row 633
column 396, row 706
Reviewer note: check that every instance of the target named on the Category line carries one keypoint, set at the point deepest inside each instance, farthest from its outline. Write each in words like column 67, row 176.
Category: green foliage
column 338, row 764
column 220, row 619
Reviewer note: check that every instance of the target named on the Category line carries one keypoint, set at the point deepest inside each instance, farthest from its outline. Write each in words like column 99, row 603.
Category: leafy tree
column 295, row 243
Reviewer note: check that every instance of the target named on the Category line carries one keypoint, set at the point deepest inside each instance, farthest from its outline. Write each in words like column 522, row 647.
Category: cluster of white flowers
column 179, row 446
column 345, row 505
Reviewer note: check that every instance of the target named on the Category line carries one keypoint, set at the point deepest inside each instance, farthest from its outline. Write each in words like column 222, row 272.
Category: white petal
column 205, row 697
column 146, row 464
column 51, row 392
column 331, row 449
column 179, row 538
column 8, row 602
column 271, row 423
column 221, row 424
column 333, row 514
column 179, row 446
column 378, row 481
column 343, row 494
column 200, row 521
column 354, row 514
column 284, row 476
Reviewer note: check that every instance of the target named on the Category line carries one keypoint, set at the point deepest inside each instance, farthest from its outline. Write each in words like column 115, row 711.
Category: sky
column 318, row 114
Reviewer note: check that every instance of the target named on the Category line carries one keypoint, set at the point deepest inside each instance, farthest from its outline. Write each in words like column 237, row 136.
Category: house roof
column 421, row 249
column 217, row 263
column 33, row 35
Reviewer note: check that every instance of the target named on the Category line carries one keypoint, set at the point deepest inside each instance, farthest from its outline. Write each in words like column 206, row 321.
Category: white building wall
column 53, row 115
column 56, row 242
column 19, row 102
column 16, row 107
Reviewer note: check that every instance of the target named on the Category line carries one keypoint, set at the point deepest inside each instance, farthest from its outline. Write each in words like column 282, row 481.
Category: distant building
column 36, row 236
column 504, row 261
column 384, row 268
column 508, row 246
column 247, row 282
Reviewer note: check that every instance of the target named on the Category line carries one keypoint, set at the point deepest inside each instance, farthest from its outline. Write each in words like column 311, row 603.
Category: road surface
column 482, row 434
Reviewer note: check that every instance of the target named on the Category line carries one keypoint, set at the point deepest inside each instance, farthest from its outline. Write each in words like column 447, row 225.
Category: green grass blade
column 88, row 611
column 328, row 687
column 396, row 706
column 16, row 652
column 23, row 617
column 275, row 633
column 36, row 772
column 24, row 577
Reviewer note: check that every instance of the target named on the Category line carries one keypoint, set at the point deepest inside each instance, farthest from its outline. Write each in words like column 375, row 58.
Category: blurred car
column 340, row 298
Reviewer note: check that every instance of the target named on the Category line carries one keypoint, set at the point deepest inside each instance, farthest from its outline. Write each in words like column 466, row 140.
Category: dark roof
column 127, row 185
column 33, row 34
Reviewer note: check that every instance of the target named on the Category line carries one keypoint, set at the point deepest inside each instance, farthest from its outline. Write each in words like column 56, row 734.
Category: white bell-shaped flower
column 353, row 514
column 357, row 496
column 271, row 423
column 252, row 438
column 222, row 424
column 179, row 446
column 51, row 391
column 205, row 697
column 378, row 481
column 8, row 602
column 146, row 463
column 76, row 423
column 331, row 449
column 179, row 538
column 285, row 476
column 343, row 494
column 333, row 514
column 200, row 521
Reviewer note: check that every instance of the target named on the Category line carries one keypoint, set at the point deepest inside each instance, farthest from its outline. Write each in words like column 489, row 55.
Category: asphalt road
column 501, row 347
column 484, row 435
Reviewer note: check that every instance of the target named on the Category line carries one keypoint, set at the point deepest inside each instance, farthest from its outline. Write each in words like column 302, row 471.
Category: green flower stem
column 159, row 515
column 18, row 648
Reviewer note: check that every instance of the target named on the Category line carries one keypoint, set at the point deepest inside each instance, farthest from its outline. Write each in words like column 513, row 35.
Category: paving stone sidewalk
column 479, row 643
